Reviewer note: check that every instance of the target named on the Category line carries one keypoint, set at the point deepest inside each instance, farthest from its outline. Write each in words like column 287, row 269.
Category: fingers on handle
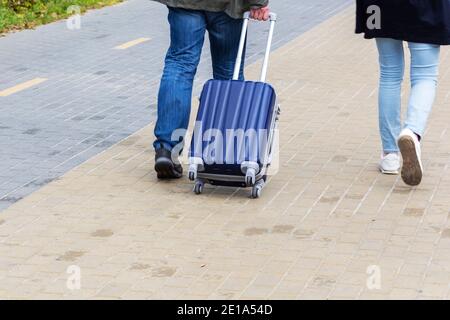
column 260, row 15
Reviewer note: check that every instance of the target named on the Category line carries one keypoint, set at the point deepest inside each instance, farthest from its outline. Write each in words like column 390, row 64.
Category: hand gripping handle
column 237, row 67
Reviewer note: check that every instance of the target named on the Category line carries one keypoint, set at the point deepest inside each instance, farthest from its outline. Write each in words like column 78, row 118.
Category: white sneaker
column 390, row 163
column 412, row 169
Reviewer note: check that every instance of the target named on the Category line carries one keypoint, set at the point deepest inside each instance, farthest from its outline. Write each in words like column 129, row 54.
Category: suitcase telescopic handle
column 237, row 67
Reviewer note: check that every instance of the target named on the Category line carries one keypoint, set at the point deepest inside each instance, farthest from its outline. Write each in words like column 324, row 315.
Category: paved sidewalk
column 95, row 95
column 325, row 220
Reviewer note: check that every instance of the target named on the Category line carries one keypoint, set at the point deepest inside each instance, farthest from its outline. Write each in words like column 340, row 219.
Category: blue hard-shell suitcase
column 234, row 129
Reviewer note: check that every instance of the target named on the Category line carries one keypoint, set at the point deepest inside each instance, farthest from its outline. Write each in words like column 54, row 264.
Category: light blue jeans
column 424, row 75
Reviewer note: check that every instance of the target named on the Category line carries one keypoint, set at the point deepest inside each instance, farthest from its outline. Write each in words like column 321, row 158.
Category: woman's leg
column 392, row 66
column 424, row 76
column 424, row 73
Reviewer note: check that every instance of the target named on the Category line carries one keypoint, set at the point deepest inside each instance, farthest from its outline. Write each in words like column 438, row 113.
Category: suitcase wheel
column 198, row 187
column 256, row 192
column 257, row 189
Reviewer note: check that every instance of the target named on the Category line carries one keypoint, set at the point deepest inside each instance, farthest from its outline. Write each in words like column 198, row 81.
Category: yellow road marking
column 21, row 86
column 132, row 43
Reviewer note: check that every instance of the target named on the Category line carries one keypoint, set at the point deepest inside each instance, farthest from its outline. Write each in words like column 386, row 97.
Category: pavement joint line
column 22, row 86
column 131, row 43
column 315, row 203
column 347, row 190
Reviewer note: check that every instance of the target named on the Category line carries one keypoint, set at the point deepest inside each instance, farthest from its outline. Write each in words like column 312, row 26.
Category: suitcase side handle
column 237, row 67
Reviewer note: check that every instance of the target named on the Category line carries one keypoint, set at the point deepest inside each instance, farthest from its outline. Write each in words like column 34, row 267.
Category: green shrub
column 20, row 5
column 20, row 14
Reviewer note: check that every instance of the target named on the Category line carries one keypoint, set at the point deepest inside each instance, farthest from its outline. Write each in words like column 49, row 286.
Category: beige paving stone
column 46, row 296
column 136, row 295
column 314, row 294
column 114, row 289
column 403, row 294
column 256, row 292
column 437, row 291
column 345, row 292
column 323, row 220
column 83, row 293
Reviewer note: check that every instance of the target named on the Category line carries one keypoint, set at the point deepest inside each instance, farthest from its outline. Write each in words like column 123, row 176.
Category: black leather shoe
column 165, row 167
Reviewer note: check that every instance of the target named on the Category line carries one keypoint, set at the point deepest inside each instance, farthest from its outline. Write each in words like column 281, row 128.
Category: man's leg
column 187, row 30
column 224, row 36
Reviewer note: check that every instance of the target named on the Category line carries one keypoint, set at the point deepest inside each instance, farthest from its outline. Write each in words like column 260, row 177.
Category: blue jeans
column 424, row 75
column 187, row 32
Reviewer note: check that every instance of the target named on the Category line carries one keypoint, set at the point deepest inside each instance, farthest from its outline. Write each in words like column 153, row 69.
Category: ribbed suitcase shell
column 232, row 104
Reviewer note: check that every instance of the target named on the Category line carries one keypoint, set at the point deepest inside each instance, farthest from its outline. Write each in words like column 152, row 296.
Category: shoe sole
column 389, row 172
column 411, row 169
column 165, row 169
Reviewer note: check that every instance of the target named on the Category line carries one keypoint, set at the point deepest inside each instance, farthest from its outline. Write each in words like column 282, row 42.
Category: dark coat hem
column 420, row 21
column 417, row 38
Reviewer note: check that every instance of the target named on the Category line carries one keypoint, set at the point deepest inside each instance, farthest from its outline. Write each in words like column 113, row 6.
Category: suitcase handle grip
column 237, row 67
